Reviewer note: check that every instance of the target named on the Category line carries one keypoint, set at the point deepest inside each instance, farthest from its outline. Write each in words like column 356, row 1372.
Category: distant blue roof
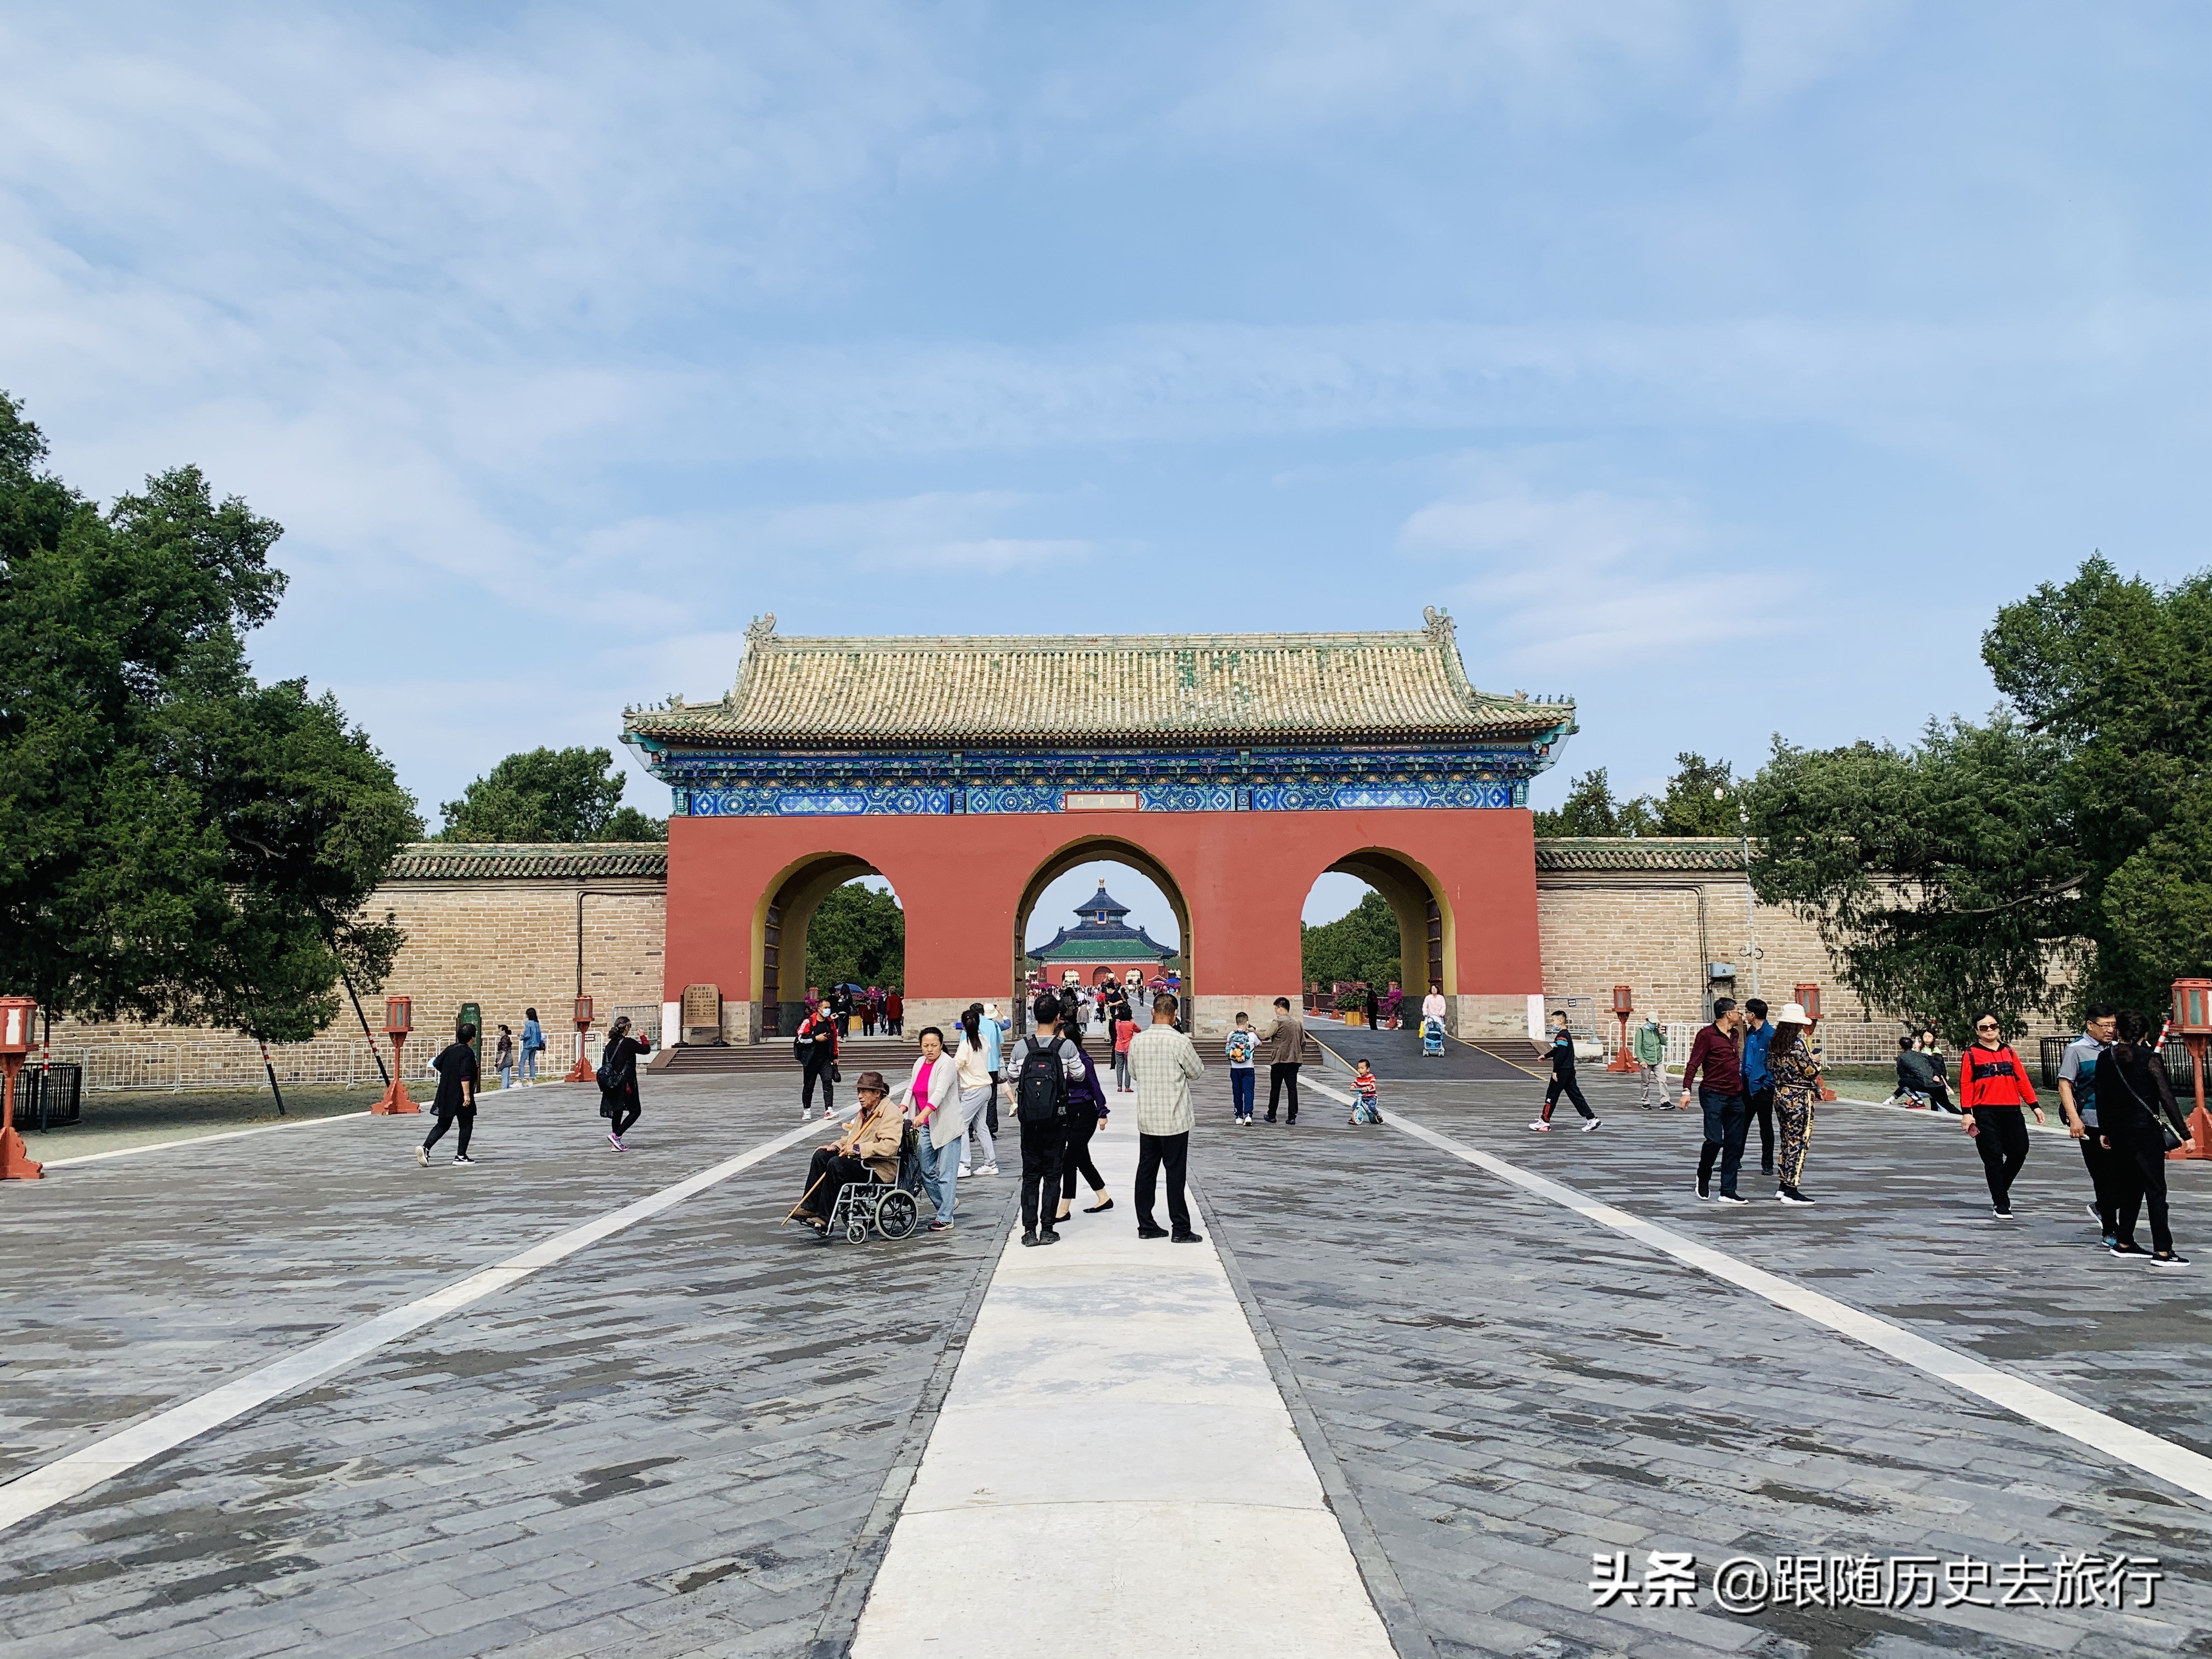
column 1101, row 900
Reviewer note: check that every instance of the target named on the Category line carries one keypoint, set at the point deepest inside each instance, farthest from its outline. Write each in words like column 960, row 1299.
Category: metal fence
column 49, row 1096
column 127, row 1065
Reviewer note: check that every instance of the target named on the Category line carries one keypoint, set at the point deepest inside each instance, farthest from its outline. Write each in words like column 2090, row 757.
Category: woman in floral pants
column 1796, row 1091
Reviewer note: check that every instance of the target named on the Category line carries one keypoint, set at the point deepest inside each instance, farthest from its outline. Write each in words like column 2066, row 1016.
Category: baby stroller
column 1432, row 1036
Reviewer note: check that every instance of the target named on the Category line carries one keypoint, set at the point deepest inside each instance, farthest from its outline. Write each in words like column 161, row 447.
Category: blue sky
column 1722, row 365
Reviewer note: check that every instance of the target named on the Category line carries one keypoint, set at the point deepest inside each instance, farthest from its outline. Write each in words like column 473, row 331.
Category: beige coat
column 1285, row 1045
column 875, row 1137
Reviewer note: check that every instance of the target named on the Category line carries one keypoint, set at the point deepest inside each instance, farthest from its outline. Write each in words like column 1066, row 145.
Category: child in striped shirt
column 1364, row 1106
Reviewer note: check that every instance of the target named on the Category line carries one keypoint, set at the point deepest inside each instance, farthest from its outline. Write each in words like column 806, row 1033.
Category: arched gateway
column 1232, row 768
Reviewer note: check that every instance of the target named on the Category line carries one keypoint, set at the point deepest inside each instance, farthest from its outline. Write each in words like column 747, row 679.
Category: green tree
column 2059, row 853
column 1690, row 806
column 1939, row 874
column 1590, row 810
column 1360, row 945
column 176, row 841
column 550, row 794
column 857, row 937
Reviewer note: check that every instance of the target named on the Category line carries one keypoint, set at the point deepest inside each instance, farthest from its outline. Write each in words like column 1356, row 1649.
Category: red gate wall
column 1243, row 876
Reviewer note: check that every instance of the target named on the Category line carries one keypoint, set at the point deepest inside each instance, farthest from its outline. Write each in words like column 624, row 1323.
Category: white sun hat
column 1790, row 1013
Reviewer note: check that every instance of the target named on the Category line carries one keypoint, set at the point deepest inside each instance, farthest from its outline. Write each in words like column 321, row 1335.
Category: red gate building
column 1231, row 769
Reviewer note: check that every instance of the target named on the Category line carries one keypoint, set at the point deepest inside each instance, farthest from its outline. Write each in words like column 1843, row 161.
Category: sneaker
column 1047, row 1236
column 2126, row 1247
column 1704, row 1191
column 1592, row 1124
column 1541, row 1127
column 2094, row 1216
column 963, row 1172
column 1031, row 1240
column 614, row 1140
column 2000, row 1212
column 940, row 1226
column 423, row 1155
column 1733, row 1198
column 1186, row 1238
column 829, row 1111
column 988, row 1168
column 2168, row 1259
column 463, row 1157
column 1152, row 1232
column 1353, row 1119
column 1791, row 1196
column 2111, row 1242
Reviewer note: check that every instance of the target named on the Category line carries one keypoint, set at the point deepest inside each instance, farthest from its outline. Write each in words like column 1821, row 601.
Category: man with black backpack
column 1043, row 1067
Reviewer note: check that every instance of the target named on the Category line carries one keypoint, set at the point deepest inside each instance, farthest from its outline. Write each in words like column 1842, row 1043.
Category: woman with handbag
column 2129, row 1123
column 815, row 1047
column 1796, row 1074
column 1993, row 1091
column 618, row 1099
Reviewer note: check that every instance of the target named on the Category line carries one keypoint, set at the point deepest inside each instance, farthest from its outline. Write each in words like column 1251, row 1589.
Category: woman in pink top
column 928, row 1096
column 1124, row 1028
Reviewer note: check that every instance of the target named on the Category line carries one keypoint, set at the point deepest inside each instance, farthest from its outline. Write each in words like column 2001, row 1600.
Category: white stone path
column 1114, row 1472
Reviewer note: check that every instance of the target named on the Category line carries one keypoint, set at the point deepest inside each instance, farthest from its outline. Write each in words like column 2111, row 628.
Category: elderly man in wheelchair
column 866, row 1177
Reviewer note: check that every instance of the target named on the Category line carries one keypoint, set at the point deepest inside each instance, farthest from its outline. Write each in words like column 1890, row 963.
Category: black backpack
column 1040, row 1087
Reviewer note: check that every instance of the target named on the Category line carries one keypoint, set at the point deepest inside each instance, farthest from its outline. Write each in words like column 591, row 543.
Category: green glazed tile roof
column 984, row 689
column 1635, row 852
column 443, row 860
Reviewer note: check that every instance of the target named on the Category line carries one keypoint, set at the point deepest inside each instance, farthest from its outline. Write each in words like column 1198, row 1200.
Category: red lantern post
column 15, row 1013
column 582, row 1072
column 398, row 1020
column 1624, row 1005
column 1807, row 997
column 2192, row 1020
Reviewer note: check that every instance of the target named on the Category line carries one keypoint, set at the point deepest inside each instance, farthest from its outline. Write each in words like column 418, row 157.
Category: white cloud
column 1542, row 65
column 1574, row 586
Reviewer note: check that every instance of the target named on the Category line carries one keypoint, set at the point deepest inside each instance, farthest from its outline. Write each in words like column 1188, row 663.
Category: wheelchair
column 890, row 1209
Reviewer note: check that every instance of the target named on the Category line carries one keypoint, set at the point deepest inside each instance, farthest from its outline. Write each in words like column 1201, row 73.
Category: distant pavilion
column 1101, row 946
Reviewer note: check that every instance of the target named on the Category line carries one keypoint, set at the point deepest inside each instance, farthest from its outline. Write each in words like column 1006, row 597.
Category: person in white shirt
column 1165, row 1064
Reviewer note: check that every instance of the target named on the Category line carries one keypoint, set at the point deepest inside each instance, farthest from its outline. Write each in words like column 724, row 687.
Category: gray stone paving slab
column 676, row 1442
column 1542, row 1386
column 682, row 1427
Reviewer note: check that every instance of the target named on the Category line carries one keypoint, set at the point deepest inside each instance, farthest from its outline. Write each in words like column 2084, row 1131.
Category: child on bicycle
column 1364, row 1093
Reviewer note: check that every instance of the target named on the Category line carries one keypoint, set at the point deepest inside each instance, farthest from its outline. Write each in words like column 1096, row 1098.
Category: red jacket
column 1722, row 1058
column 1993, row 1077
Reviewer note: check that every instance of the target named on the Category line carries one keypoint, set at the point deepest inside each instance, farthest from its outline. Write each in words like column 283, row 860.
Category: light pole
column 16, row 1162
column 2192, row 1019
column 582, row 1072
column 398, row 1020
column 1750, row 898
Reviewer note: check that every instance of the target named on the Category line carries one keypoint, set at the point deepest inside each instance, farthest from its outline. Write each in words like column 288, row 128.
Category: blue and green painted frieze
column 705, row 784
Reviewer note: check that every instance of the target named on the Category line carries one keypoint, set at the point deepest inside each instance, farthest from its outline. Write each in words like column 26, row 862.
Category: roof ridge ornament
column 761, row 630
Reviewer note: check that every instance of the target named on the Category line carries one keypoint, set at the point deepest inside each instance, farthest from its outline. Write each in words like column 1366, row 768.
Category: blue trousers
column 1242, row 1086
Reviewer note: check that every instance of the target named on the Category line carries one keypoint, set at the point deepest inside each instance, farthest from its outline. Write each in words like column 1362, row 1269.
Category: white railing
column 113, row 1065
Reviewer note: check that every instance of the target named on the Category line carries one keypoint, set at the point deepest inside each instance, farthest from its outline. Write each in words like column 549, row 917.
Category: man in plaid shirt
column 1163, row 1064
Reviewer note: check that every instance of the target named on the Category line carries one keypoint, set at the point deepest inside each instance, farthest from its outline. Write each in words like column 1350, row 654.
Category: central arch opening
column 1375, row 936
column 831, row 918
column 1101, row 910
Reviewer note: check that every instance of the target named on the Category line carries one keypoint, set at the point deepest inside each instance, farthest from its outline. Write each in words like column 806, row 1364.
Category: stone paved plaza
column 695, row 1436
